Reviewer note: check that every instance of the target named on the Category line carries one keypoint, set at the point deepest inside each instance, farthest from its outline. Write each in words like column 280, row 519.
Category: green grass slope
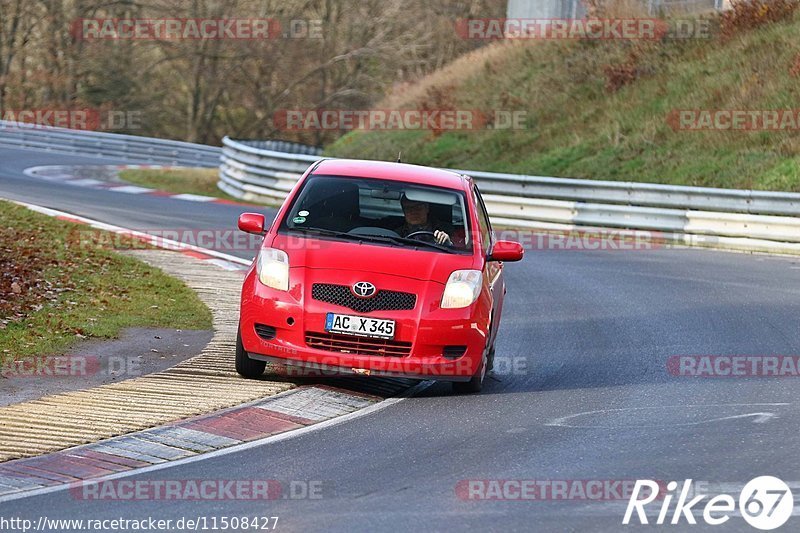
column 60, row 283
column 577, row 127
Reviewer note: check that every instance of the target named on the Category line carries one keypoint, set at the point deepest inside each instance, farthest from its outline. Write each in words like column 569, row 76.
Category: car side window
column 483, row 222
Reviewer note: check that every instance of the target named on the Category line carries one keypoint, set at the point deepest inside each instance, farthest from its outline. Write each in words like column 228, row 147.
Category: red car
column 376, row 269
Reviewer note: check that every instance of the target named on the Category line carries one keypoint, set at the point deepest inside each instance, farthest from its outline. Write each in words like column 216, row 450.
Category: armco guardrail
column 129, row 148
column 255, row 171
column 267, row 170
column 640, row 194
column 263, row 170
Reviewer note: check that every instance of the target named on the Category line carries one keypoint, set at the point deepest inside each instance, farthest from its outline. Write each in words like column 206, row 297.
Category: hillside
column 605, row 110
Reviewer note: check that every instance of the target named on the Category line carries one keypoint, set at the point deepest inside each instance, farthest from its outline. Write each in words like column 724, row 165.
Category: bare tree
column 202, row 89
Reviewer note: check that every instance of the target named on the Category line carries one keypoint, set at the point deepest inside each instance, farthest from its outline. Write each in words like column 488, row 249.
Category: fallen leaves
column 36, row 271
column 56, row 288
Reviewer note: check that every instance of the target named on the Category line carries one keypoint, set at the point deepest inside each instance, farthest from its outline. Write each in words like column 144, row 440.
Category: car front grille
column 352, row 345
column 382, row 301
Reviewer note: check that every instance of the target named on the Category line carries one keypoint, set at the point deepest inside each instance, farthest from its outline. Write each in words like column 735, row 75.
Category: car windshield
column 381, row 211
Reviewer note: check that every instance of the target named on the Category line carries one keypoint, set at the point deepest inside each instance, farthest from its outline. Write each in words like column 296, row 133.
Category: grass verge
column 577, row 125
column 57, row 287
column 202, row 181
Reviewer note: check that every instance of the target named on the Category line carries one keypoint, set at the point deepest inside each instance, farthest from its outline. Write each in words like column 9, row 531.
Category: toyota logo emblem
column 364, row 289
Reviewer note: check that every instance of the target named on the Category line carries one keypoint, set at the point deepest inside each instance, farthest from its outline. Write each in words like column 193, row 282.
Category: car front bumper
column 427, row 330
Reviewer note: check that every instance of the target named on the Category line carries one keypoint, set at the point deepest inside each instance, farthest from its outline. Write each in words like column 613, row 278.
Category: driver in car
column 417, row 219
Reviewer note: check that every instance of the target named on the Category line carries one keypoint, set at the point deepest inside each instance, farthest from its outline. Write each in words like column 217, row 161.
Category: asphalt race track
column 582, row 392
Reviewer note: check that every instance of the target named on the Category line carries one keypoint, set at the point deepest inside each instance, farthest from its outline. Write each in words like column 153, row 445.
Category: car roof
column 358, row 168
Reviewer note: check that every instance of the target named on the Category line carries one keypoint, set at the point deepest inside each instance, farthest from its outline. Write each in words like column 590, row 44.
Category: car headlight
column 462, row 289
column 273, row 268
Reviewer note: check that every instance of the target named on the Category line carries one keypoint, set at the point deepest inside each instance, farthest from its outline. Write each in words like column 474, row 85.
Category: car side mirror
column 506, row 251
column 252, row 223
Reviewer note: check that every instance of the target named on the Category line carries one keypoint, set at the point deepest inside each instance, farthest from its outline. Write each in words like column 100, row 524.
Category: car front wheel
column 245, row 366
column 476, row 383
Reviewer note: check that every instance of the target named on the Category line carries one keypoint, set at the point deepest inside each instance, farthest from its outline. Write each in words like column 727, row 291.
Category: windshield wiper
column 374, row 238
column 413, row 242
column 327, row 232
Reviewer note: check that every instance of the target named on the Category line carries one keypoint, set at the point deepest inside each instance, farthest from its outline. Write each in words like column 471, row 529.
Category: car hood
column 368, row 257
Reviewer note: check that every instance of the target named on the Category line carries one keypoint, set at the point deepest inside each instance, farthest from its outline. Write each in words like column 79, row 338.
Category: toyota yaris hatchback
column 376, row 269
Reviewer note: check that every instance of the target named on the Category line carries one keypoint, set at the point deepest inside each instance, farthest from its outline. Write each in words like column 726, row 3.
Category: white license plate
column 359, row 325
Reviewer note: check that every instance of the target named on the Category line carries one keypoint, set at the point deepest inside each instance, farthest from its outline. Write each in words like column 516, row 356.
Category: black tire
column 490, row 357
column 476, row 383
column 246, row 367
column 490, row 360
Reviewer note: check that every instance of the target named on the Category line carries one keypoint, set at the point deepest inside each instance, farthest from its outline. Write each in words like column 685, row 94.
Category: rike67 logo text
column 765, row 503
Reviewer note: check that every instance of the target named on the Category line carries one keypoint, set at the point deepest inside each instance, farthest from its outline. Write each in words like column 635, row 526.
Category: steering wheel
column 428, row 236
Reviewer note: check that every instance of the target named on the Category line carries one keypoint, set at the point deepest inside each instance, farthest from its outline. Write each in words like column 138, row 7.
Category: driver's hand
column 442, row 237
